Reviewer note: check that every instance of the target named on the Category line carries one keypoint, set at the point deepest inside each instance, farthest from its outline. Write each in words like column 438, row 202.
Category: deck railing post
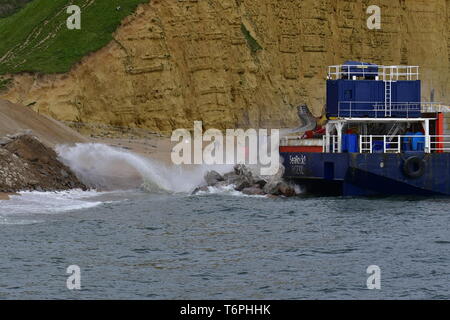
column 399, row 144
column 427, row 144
column 336, row 144
column 360, row 144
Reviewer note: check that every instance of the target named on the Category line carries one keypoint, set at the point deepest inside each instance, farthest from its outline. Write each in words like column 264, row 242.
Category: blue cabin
column 358, row 89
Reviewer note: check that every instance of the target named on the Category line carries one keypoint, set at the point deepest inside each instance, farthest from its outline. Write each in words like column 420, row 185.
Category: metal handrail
column 386, row 73
column 391, row 144
column 380, row 107
column 332, row 147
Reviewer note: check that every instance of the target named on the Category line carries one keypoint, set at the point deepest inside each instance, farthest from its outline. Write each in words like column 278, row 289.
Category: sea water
column 163, row 243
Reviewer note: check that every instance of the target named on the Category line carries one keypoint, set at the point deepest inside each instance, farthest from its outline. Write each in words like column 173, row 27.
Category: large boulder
column 246, row 181
column 242, row 184
column 231, row 177
column 244, row 177
column 243, row 171
column 260, row 182
column 213, row 177
column 285, row 189
column 271, row 187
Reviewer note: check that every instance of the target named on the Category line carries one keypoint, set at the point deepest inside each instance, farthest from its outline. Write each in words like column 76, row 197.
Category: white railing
column 439, row 143
column 387, row 144
column 365, row 144
column 391, row 143
column 379, row 108
column 331, row 144
column 385, row 73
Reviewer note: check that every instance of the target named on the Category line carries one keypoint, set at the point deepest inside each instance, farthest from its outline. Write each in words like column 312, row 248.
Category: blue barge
column 380, row 138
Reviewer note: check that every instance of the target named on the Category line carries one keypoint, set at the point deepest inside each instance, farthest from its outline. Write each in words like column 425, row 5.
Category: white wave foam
column 7, row 221
column 108, row 168
column 227, row 190
column 33, row 202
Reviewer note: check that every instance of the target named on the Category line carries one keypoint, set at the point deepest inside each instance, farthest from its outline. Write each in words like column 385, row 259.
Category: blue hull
column 357, row 174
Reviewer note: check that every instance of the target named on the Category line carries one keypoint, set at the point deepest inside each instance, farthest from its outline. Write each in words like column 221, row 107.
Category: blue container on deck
column 350, row 143
column 344, row 143
column 366, row 98
column 378, row 147
column 407, row 142
column 356, row 91
column 418, row 142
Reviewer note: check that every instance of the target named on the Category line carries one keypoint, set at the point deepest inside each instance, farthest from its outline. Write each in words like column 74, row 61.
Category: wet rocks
column 4, row 141
column 261, row 183
column 200, row 189
column 231, row 177
column 27, row 164
column 271, row 187
column 213, row 177
column 285, row 189
column 243, row 179
column 253, row 191
column 242, row 184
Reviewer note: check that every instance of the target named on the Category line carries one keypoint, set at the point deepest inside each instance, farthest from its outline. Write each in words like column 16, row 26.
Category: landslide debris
column 26, row 164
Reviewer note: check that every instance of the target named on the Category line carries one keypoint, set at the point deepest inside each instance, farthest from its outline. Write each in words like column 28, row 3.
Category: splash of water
column 108, row 168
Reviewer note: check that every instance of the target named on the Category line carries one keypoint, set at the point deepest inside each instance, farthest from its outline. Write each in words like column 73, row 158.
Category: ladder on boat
column 388, row 78
column 388, row 98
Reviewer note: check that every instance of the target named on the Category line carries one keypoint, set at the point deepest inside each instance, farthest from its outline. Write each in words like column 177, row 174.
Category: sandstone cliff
column 237, row 63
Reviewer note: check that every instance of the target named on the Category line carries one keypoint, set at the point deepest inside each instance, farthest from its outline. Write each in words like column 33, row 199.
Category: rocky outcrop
column 27, row 164
column 238, row 63
column 243, row 179
column 213, row 177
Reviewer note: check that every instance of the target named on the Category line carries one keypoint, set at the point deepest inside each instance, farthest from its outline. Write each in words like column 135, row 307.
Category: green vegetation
column 8, row 7
column 36, row 38
column 251, row 42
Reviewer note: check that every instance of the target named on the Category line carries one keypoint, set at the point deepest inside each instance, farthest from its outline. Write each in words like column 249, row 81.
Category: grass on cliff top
column 8, row 7
column 36, row 38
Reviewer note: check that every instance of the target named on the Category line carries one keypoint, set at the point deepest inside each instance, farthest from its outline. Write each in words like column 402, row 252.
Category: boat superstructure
column 380, row 137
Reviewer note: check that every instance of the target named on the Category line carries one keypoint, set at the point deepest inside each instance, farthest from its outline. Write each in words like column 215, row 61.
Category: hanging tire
column 414, row 167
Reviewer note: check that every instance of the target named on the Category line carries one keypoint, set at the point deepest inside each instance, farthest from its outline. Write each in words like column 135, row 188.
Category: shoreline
column 6, row 195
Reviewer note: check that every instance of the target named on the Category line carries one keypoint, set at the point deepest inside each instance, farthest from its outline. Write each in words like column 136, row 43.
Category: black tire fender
column 414, row 167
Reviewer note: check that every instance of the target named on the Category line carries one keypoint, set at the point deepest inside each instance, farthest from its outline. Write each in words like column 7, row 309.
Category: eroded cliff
column 237, row 63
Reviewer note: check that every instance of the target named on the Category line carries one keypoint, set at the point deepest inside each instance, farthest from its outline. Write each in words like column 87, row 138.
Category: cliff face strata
column 238, row 63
